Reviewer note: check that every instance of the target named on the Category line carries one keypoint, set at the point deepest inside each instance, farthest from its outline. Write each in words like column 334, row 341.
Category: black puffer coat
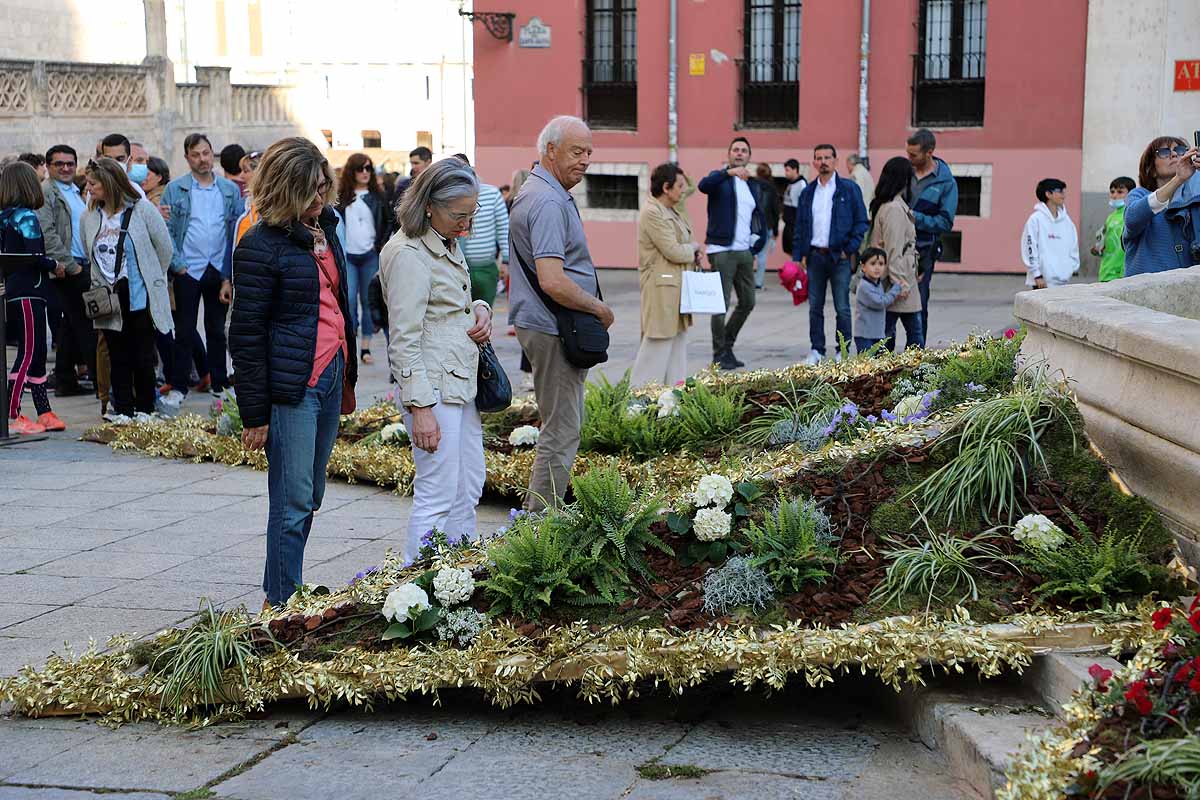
column 273, row 330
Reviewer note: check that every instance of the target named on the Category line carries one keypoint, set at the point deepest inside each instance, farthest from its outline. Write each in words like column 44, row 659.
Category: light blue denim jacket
column 177, row 197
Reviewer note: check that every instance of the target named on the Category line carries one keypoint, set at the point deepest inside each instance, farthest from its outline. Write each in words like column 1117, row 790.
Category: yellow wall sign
column 696, row 64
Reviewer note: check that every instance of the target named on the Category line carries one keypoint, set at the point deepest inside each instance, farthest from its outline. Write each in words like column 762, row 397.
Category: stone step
column 1057, row 676
column 978, row 729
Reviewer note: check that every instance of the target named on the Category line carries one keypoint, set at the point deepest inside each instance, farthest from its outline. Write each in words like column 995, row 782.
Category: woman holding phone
column 1163, row 212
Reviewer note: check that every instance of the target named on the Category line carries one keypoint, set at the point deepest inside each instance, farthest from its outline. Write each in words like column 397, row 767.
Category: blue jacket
column 178, row 197
column 934, row 208
column 846, row 227
column 1162, row 241
column 722, row 210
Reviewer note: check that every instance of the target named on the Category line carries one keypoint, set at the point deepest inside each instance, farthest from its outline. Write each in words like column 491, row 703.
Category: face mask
column 138, row 172
column 1117, row 203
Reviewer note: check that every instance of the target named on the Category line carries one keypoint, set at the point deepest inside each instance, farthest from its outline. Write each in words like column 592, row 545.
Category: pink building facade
column 1000, row 84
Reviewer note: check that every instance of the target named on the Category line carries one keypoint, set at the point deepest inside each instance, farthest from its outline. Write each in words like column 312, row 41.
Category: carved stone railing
column 261, row 104
column 190, row 102
column 88, row 89
column 16, row 88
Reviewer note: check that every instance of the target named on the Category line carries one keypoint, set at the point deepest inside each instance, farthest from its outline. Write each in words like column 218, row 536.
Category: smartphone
column 1196, row 138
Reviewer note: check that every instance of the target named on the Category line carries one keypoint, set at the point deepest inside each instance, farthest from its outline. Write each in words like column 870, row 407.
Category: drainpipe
column 673, row 85
column 863, row 63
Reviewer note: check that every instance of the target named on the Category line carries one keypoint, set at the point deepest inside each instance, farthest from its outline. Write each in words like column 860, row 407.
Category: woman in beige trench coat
column 665, row 252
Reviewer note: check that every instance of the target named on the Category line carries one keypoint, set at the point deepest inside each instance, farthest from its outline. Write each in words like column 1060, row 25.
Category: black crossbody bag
column 101, row 301
column 584, row 339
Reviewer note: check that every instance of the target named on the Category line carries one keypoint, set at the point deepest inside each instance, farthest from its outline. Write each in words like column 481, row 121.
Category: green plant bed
column 766, row 560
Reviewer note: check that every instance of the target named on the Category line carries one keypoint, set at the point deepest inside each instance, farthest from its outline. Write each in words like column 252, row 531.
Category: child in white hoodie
column 1050, row 243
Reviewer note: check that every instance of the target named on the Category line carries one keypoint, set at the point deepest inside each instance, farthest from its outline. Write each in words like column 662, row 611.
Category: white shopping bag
column 701, row 293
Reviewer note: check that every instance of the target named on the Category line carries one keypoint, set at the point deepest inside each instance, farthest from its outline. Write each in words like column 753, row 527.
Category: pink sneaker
column 25, row 426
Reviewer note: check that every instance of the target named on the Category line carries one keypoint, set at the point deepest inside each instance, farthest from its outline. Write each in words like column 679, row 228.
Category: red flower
column 1195, row 603
column 1009, row 333
column 1161, row 618
column 1137, row 694
column 1100, row 675
column 1194, row 620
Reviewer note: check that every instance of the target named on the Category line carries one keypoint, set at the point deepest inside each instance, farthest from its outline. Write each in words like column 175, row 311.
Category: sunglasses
column 1165, row 152
column 365, row 168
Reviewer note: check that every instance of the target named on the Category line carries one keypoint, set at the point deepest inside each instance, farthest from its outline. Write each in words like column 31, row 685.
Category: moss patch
column 662, row 772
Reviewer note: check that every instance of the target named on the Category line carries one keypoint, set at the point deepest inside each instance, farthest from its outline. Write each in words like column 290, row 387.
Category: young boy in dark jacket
column 873, row 298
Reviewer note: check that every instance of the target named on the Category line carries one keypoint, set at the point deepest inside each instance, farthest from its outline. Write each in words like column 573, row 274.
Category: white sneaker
column 837, row 357
column 173, row 398
column 813, row 358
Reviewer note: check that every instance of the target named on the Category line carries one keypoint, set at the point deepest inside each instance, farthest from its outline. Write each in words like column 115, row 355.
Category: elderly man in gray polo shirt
column 546, row 236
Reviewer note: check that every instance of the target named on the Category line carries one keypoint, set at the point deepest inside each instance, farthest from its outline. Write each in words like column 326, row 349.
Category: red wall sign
column 1187, row 76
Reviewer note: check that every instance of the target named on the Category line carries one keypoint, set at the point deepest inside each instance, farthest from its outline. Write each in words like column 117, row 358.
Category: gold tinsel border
column 608, row 666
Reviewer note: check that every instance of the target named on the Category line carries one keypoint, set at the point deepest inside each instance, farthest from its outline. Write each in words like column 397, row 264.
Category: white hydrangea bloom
column 668, row 403
column 713, row 490
column 394, row 432
column 402, row 599
column 1036, row 530
column 909, row 406
column 524, row 435
column 711, row 524
column 634, row 409
column 452, row 586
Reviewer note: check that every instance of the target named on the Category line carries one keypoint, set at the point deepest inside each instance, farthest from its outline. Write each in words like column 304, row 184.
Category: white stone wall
column 110, row 31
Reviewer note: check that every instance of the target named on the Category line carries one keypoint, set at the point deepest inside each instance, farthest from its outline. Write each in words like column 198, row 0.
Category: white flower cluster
column 711, row 524
column 524, row 435
column 668, row 403
column 395, row 432
column 909, row 406
column 635, row 409
column 462, row 626
column 1035, row 530
column 403, row 599
column 713, row 490
column 452, row 586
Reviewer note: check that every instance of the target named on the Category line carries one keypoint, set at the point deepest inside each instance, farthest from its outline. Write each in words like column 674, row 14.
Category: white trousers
column 449, row 481
column 661, row 361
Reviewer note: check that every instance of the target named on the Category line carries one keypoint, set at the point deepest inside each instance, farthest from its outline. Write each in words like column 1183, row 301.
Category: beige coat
column 428, row 293
column 151, row 243
column 665, row 252
column 894, row 232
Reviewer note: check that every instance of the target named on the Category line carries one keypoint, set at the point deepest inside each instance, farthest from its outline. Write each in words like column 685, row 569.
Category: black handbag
column 493, row 391
column 584, row 339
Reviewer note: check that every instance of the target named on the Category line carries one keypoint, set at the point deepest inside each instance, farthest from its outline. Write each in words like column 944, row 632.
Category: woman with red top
column 292, row 345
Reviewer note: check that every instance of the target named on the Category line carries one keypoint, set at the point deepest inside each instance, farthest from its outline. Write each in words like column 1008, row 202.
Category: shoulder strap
column 551, row 305
column 120, row 262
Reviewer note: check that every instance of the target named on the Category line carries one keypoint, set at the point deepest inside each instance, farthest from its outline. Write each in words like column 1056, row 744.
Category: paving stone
column 64, row 537
column 26, row 742
column 34, row 516
column 17, row 653
column 527, row 776
column 316, row 550
column 95, row 499
column 613, row 736
column 163, row 595
column 19, row 559
column 52, row 589
column 805, row 749
column 46, row 793
column 110, row 564
column 12, row 613
column 219, row 523
column 123, row 518
column 182, row 538
column 186, row 501
column 119, row 760
column 217, row 569
column 736, row 785
column 77, row 624
column 234, row 481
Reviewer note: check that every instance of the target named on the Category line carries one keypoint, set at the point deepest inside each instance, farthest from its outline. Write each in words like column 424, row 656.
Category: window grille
column 610, row 64
column 771, row 66
column 970, row 193
column 612, row 191
column 951, row 61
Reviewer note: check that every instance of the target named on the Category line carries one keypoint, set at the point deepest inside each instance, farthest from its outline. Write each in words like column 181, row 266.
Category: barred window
column 951, row 61
column 771, row 66
column 970, row 195
column 612, row 191
column 610, row 65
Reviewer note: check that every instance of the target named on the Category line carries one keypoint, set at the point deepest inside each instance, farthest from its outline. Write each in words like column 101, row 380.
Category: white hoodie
column 1049, row 247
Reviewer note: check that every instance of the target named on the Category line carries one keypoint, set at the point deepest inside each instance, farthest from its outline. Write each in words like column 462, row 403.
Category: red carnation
column 1100, row 675
column 1195, row 603
column 1009, row 333
column 1161, row 618
column 1194, row 620
column 1137, row 694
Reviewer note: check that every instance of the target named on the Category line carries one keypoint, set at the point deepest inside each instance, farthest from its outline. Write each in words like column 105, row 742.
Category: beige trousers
column 559, row 389
column 661, row 361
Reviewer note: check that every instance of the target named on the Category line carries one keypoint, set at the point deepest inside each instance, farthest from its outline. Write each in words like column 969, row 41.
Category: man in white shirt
column 736, row 232
column 831, row 221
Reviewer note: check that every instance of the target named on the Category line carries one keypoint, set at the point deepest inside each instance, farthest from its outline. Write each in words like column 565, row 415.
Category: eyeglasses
column 1165, row 152
column 63, row 164
column 457, row 218
column 365, row 168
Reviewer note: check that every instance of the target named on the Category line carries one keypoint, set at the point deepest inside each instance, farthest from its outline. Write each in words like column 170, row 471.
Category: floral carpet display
column 894, row 514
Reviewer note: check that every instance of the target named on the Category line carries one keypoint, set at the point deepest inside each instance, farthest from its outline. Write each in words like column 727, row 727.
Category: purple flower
column 427, row 539
column 850, row 409
column 887, row 415
column 975, row 387
column 359, row 576
column 871, row 418
column 515, row 514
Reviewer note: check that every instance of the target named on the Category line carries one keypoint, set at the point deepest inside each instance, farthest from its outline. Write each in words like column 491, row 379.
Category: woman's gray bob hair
column 440, row 183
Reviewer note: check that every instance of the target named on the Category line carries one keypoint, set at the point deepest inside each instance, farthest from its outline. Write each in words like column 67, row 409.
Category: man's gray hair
column 440, row 184
column 555, row 130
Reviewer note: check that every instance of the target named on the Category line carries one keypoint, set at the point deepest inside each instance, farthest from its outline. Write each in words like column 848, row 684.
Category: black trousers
column 131, row 353
column 188, row 294
column 76, row 335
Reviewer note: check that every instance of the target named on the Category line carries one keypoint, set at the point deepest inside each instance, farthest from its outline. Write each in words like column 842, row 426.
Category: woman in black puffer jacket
column 292, row 345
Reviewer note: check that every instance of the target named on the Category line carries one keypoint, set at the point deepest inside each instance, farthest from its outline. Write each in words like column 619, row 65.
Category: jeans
column 823, row 271
column 299, row 443
column 914, row 331
column 736, row 268
column 131, row 353
column 925, row 263
column 862, row 344
column 360, row 269
column 760, row 262
column 188, row 294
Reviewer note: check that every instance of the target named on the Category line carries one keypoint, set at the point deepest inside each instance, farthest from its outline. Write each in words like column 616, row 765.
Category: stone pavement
column 94, row 543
